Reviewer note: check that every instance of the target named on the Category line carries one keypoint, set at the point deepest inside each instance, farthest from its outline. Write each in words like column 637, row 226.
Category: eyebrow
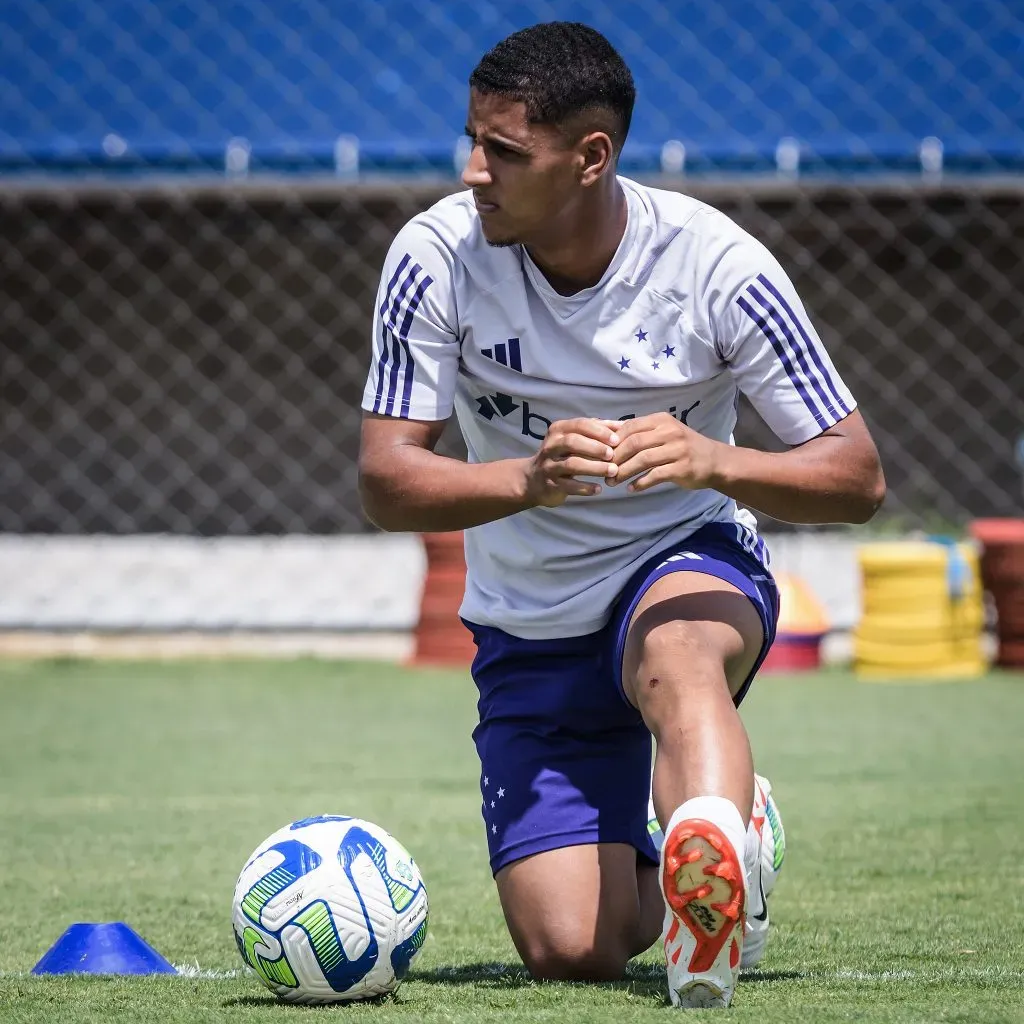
column 503, row 140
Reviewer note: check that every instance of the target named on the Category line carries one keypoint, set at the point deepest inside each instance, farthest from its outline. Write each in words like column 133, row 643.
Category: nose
column 475, row 174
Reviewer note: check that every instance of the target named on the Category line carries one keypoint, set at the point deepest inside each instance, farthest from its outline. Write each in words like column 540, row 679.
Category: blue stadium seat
column 166, row 84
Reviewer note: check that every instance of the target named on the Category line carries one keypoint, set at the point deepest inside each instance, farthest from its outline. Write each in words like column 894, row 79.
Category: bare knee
column 573, row 959
column 704, row 641
column 667, row 667
column 663, row 653
column 574, row 912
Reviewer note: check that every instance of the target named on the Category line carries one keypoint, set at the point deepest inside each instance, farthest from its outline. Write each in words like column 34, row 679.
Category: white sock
column 718, row 811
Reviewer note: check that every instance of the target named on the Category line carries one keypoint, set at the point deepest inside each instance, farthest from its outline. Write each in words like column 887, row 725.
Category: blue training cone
column 102, row 949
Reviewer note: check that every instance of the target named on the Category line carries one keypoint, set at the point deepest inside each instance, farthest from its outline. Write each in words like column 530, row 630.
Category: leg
column 692, row 641
column 565, row 774
column 764, row 855
column 581, row 913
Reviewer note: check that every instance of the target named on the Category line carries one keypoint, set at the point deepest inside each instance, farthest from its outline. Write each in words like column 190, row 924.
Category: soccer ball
column 330, row 909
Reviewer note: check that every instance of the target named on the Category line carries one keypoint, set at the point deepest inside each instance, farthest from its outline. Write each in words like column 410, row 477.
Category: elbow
column 375, row 515
column 871, row 498
column 377, row 504
column 380, row 514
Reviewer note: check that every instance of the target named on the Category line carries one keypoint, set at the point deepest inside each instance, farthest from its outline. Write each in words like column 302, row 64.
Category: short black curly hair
column 560, row 70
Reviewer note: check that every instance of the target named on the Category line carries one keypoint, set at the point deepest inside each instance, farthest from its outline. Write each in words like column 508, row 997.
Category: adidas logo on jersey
column 507, row 354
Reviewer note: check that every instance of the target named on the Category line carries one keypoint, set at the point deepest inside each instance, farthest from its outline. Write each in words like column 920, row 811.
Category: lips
column 484, row 207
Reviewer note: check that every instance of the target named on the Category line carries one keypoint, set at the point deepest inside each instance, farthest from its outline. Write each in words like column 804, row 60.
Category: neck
column 582, row 244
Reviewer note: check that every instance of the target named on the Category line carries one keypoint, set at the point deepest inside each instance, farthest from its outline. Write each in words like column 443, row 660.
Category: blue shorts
column 565, row 758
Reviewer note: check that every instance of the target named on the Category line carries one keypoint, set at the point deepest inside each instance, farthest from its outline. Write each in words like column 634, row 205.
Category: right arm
column 406, row 486
column 409, row 396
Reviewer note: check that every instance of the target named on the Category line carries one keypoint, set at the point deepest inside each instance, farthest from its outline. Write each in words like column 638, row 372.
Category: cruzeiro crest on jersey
column 651, row 354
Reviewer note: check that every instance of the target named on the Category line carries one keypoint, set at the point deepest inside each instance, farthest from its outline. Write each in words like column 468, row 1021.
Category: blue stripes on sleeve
column 395, row 365
column 799, row 355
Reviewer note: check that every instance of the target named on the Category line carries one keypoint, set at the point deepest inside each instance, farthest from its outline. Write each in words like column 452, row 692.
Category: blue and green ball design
column 260, row 934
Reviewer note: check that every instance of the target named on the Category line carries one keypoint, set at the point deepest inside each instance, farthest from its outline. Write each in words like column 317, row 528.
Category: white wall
column 325, row 584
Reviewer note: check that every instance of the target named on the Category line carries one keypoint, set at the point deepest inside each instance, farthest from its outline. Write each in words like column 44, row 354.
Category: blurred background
column 195, row 203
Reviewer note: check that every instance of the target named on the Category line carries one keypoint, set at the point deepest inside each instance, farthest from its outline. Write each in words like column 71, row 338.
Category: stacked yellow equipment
column 922, row 611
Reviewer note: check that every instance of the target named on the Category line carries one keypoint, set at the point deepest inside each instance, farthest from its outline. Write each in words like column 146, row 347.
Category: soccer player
column 592, row 336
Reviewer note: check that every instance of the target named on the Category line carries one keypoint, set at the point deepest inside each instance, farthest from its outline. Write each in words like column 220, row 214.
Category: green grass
column 135, row 792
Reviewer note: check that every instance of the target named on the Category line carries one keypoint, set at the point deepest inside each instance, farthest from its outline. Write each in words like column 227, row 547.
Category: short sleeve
column 762, row 332
column 415, row 347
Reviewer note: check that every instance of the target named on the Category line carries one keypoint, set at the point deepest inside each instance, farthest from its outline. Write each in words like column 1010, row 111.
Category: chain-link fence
column 188, row 356
column 191, row 362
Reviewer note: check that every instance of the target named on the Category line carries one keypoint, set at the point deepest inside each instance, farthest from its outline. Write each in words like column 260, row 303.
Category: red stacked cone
column 1002, row 574
column 441, row 638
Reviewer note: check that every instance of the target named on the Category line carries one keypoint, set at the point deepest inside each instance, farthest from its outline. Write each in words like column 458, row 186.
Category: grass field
column 135, row 791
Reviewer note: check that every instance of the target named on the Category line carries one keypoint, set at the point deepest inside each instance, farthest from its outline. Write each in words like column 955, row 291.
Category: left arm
column 760, row 330
column 835, row 477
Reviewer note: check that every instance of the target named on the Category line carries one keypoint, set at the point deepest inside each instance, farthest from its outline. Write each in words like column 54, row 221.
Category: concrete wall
column 345, row 584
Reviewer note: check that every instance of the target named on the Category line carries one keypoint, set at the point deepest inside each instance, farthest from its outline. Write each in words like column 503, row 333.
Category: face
column 523, row 176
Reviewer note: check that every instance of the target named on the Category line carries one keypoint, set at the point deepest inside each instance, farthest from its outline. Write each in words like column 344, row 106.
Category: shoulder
column 710, row 253
column 450, row 223
column 706, row 231
column 666, row 210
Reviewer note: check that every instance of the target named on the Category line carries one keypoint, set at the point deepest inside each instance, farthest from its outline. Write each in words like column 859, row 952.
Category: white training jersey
column 691, row 311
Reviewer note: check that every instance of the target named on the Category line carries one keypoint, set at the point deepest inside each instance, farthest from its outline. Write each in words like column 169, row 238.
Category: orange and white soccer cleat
column 704, row 883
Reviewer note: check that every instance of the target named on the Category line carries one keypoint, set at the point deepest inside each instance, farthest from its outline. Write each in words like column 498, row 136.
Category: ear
column 596, row 155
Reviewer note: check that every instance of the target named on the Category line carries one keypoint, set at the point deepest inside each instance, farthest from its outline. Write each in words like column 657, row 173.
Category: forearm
column 423, row 492
column 822, row 481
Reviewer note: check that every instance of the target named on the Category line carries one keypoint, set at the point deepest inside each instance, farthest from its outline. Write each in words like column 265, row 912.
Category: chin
column 499, row 239
column 501, row 243
column 495, row 236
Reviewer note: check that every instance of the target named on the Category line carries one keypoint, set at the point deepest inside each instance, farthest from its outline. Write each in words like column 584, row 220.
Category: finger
column 632, row 445
column 596, row 429
column 657, row 475
column 567, row 485
column 578, row 444
column 642, row 462
column 638, row 425
column 576, row 466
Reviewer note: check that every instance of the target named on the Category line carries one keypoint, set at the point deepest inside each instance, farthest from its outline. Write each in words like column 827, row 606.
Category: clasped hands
column 636, row 454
